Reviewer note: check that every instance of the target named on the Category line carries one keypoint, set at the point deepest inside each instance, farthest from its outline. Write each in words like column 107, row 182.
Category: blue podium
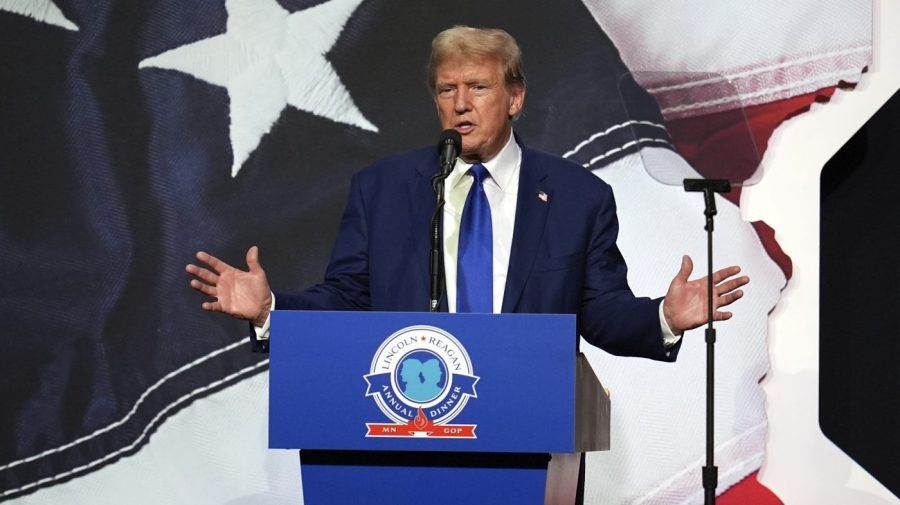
column 392, row 408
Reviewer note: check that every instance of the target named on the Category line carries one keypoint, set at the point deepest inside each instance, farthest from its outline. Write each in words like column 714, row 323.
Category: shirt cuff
column 262, row 332
column 669, row 338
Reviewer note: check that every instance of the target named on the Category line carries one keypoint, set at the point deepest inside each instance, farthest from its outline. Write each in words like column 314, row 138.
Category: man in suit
column 552, row 227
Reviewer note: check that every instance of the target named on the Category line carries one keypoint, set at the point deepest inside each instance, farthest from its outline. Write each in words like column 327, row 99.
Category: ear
column 516, row 100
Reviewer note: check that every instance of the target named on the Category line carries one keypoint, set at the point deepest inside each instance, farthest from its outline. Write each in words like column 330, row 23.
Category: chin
column 467, row 154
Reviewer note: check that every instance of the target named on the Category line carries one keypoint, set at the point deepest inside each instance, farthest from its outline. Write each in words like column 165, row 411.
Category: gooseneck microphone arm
column 449, row 146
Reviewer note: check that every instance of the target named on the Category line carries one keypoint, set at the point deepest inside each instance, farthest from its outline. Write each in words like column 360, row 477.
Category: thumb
column 253, row 259
column 687, row 266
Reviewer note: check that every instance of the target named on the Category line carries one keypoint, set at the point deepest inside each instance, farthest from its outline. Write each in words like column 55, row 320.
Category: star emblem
column 268, row 59
column 43, row 11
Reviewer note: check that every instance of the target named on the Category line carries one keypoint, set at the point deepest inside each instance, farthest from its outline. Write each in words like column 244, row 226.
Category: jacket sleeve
column 611, row 316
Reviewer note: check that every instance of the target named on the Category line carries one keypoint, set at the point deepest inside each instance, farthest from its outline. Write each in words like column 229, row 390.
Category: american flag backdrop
column 134, row 134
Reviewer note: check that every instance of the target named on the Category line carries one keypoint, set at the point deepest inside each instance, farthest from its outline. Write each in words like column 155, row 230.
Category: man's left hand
column 685, row 304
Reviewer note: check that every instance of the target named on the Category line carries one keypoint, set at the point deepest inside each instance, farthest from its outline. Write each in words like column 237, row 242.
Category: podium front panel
column 484, row 382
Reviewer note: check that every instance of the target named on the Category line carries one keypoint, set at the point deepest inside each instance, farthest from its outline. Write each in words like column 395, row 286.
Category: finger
column 730, row 285
column 216, row 264
column 721, row 316
column 721, row 275
column 728, row 299
column 212, row 306
column 253, row 259
column 202, row 273
column 206, row 289
column 684, row 272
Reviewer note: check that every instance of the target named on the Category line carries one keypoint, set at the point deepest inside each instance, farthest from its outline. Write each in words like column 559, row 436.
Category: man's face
column 472, row 98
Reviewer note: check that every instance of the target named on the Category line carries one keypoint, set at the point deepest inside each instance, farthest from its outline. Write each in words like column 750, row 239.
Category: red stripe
column 748, row 492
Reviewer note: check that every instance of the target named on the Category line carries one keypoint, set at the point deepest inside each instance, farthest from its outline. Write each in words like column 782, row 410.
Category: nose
column 461, row 101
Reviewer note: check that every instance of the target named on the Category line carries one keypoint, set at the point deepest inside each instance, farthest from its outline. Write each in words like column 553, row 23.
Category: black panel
column 859, row 317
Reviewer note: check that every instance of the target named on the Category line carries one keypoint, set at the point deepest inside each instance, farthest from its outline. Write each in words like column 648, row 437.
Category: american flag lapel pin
column 543, row 197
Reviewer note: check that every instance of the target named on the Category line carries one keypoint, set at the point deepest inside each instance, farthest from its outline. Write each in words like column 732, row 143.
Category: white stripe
column 606, row 132
column 134, row 408
column 827, row 78
column 702, row 461
column 646, row 140
column 143, row 433
column 770, row 68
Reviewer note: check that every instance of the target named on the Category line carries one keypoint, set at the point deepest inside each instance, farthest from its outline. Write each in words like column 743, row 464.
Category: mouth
column 464, row 127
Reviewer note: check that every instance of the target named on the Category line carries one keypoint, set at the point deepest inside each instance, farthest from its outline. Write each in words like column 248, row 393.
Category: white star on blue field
column 268, row 59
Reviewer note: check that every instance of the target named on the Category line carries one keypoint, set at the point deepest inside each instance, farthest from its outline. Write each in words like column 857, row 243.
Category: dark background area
column 859, row 306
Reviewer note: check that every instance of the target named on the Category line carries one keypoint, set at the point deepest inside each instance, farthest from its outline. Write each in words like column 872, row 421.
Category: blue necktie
column 475, row 262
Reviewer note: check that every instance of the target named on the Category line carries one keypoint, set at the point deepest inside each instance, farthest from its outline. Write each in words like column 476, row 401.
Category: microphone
column 449, row 146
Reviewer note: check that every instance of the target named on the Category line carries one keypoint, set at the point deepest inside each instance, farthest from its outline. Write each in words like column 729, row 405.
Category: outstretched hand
column 685, row 304
column 238, row 293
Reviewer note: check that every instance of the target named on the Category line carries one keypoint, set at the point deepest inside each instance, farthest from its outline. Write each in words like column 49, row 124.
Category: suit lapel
column 531, row 216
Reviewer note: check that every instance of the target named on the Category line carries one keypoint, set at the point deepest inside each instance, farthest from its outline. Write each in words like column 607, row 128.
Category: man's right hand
column 244, row 295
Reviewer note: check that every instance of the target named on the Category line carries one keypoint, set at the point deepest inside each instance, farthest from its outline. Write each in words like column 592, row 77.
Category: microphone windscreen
column 451, row 137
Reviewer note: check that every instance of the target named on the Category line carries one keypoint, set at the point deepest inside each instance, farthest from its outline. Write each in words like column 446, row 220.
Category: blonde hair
column 478, row 43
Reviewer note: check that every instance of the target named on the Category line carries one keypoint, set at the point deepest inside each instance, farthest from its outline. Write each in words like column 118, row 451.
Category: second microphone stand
column 709, row 188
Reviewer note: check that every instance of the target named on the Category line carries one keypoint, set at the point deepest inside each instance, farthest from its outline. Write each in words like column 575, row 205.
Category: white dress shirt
column 501, row 189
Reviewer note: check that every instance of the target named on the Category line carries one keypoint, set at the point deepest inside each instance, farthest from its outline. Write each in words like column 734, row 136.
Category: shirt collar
column 501, row 167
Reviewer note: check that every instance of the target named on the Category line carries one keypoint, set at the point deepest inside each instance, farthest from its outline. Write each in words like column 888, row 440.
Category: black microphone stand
column 436, row 263
column 709, row 188
column 449, row 146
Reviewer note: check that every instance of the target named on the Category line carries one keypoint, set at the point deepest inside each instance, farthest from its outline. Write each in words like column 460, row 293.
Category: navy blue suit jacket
column 564, row 258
